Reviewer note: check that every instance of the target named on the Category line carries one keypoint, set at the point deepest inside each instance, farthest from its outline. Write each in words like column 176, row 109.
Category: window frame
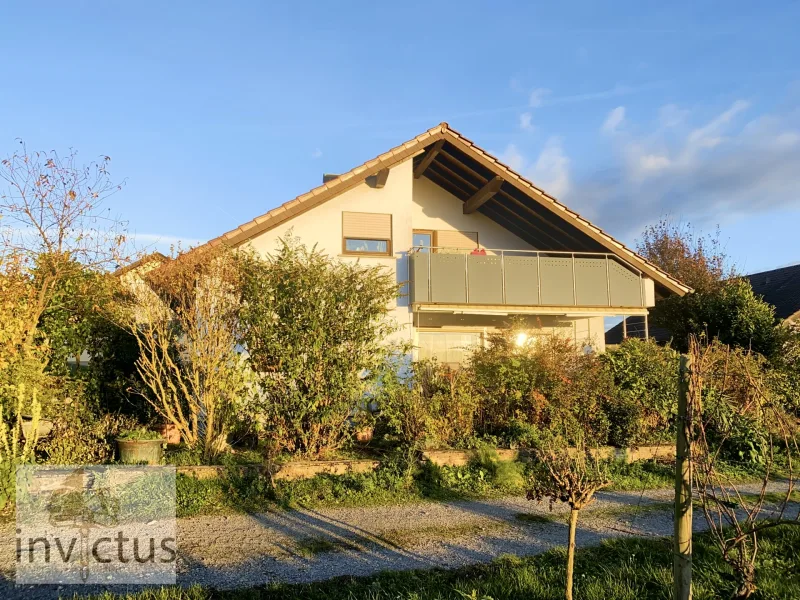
column 430, row 232
column 389, row 251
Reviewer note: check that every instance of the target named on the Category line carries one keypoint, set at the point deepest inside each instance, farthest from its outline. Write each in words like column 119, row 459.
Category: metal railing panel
column 448, row 278
column 522, row 280
column 485, row 279
column 556, row 281
column 591, row 284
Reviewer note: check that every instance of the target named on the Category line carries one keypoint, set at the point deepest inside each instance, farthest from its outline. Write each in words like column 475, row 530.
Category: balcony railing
column 523, row 278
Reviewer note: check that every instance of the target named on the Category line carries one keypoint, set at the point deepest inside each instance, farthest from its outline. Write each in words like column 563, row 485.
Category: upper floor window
column 367, row 234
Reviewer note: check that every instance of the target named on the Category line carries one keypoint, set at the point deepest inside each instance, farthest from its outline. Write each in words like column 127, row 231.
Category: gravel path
column 310, row 545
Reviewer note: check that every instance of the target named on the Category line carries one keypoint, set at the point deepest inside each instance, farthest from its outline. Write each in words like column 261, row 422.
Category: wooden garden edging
column 305, row 469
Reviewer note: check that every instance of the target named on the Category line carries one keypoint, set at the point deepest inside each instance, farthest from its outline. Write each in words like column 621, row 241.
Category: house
column 781, row 288
column 473, row 242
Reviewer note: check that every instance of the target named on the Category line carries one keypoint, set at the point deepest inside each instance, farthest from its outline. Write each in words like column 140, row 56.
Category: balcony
column 524, row 278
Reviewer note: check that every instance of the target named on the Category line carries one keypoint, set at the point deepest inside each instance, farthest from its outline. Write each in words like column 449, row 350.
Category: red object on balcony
column 479, row 251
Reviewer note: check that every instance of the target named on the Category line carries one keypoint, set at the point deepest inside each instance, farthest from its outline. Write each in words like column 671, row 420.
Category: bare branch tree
column 52, row 219
column 185, row 319
column 736, row 397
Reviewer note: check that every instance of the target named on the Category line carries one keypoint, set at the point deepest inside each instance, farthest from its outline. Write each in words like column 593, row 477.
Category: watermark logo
column 96, row 525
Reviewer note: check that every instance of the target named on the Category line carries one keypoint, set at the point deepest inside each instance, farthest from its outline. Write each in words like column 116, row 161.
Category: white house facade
column 473, row 243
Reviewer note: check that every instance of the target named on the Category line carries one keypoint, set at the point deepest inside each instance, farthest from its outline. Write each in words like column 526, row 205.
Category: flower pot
column 140, row 451
column 364, row 436
column 43, row 429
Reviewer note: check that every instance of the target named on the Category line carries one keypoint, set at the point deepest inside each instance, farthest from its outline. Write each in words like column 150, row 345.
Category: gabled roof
column 781, row 288
column 519, row 206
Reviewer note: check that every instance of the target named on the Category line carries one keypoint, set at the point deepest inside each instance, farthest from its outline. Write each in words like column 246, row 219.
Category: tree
column 570, row 475
column 736, row 406
column 723, row 304
column 53, row 224
column 184, row 316
column 315, row 328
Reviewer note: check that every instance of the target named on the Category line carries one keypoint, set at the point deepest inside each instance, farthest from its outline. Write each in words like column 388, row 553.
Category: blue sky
column 214, row 113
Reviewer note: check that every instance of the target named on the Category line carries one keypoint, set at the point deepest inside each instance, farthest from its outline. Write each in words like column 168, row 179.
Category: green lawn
column 387, row 485
column 616, row 570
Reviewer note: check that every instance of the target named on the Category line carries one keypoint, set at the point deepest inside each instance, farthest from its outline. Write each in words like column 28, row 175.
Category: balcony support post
column 624, row 328
column 646, row 328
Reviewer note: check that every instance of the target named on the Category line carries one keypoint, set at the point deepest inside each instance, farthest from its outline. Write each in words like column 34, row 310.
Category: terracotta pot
column 364, row 435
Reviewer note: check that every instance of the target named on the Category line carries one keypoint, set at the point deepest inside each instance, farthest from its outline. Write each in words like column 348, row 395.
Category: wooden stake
column 682, row 561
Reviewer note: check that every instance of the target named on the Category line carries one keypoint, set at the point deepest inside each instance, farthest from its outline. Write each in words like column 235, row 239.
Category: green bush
column 426, row 404
column 646, row 379
column 547, row 383
column 80, row 437
column 313, row 326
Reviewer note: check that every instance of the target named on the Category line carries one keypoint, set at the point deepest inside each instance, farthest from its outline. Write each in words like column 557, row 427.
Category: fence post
column 682, row 559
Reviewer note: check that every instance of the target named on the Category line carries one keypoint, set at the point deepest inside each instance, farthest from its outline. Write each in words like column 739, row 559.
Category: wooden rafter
column 466, row 189
column 489, row 189
column 428, row 159
column 381, row 177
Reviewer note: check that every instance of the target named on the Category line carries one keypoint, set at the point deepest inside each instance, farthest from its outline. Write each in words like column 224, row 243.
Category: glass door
column 422, row 240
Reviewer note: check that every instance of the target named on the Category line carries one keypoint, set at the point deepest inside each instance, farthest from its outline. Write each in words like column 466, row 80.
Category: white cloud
column 614, row 120
column 703, row 170
column 525, row 121
column 537, row 97
column 550, row 170
column 513, row 158
column 317, row 153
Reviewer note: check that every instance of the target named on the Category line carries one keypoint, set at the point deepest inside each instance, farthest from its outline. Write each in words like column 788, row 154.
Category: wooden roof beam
column 484, row 194
column 381, row 177
column 428, row 159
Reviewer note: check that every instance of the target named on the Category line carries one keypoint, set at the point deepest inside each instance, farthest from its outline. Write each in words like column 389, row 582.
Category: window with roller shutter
column 456, row 241
column 367, row 234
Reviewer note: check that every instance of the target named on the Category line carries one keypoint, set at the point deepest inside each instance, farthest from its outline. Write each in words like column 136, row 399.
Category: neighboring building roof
column 781, row 288
column 636, row 329
column 520, row 207
column 146, row 260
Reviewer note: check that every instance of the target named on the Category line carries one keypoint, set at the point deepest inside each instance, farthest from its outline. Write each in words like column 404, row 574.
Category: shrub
column 80, row 437
column 187, row 327
column 314, row 326
column 427, row 404
column 545, row 383
column 646, row 379
column 15, row 448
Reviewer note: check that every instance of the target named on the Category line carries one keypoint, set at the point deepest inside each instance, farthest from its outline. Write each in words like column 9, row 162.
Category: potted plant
column 140, row 446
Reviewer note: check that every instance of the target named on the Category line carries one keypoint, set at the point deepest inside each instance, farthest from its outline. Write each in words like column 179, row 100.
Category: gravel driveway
column 309, row 545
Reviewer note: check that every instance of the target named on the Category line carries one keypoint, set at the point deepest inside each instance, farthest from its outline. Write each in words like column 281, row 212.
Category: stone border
column 306, row 469
column 459, row 458
column 292, row 470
